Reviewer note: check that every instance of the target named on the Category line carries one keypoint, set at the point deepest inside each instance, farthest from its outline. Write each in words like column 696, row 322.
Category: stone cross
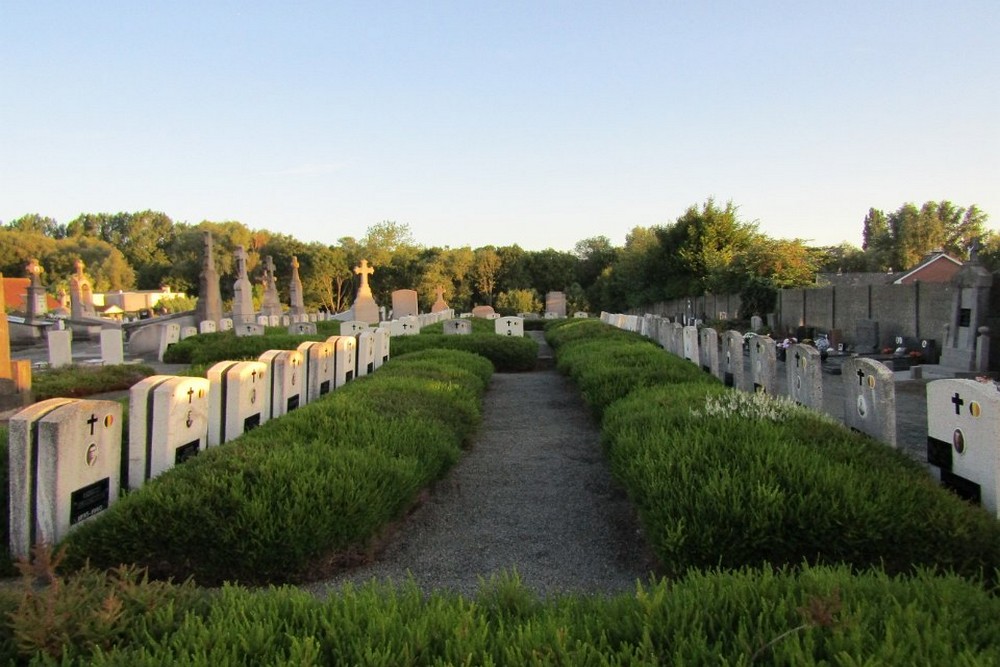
column 439, row 292
column 35, row 270
column 364, row 271
column 78, row 264
column 241, row 262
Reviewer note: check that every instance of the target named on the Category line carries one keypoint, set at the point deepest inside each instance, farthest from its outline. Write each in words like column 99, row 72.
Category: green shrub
column 760, row 481
column 206, row 349
column 78, row 381
column 480, row 325
column 817, row 616
column 508, row 354
column 322, row 479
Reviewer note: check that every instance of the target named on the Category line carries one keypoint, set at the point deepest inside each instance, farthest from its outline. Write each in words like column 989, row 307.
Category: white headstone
column 509, row 326
column 366, row 353
column 286, row 320
column 763, row 365
column 286, row 385
column 207, row 326
column 731, row 361
column 248, row 330
column 302, row 329
column 274, row 320
column 708, row 351
column 351, row 327
column 383, row 337
column 319, row 368
column 60, row 347
column 170, row 333
column 404, row 303
column 112, row 347
column 870, row 398
column 756, row 323
column 580, row 315
column 65, row 467
column 239, row 399
column 963, row 439
column 676, row 339
column 458, row 327
column 167, row 424
column 187, row 332
column 689, row 338
column 804, row 372
column 263, row 320
column 226, row 324
column 345, row 358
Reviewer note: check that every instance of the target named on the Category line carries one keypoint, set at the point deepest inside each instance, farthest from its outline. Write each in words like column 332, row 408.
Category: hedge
column 280, row 499
column 508, row 354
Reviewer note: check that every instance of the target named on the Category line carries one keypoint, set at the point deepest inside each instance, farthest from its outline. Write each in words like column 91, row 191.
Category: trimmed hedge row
column 206, row 349
column 323, row 479
column 816, row 616
column 78, row 381
column 508, row 354
column 731, row 479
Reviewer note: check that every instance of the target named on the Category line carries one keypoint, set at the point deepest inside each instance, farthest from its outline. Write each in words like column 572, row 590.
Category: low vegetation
column 301, row 492
column 78, row 381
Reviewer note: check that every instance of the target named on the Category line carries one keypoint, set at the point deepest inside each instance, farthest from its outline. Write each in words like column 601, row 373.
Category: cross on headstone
column 78, row 264
column 253, row 376
column 957, row 400
column 91, row 422
column 798, row 357
column 364, row 271
column 439, row 292
column 861, row 377
column 190, row 393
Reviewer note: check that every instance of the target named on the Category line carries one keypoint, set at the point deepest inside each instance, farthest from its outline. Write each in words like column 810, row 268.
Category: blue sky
column 536, row 123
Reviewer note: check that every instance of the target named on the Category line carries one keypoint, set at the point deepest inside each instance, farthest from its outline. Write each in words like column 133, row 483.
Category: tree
column 518, row 301
column 37, row 224
column 486, row 266
column 144, row 238
column 713, row 238
column 593, row 255
column 784, row 263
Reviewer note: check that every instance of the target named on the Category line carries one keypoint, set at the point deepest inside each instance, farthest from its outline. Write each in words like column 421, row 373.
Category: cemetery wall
column 917, row 310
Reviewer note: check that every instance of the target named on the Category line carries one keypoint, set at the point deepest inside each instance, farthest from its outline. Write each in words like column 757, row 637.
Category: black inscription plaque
column 371, row 368
column 185, row 452
column 939, row 453
column 348, row 376
column 963, row 488
column 964, row 317
column 728, row 379
column 293, row 403
column 251, row 422
column 324, row 387
column 89, row 500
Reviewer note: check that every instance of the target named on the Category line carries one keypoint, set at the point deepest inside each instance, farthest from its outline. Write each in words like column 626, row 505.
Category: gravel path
column 533, row 494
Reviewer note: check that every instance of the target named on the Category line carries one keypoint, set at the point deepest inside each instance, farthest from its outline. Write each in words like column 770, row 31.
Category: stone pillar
column 983, row 350
column 243, row 312
column 209, row 295
column 36, row 304
column 298, row 306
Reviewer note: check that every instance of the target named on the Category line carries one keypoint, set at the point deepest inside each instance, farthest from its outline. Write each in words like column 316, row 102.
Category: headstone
column 249, row 330
column 65, row 467
column 466, row 316
column 302, row 329
column 404, row 303
column 689, row 337
column 804, row 373
column 708, row 351
column 483, row 311
column 274, row 320
column 551, row 316
column 270, row 302
column 963, row 439
column 207, row 326
column 286, row 320
column 383, row 337
column 112, row 347
column 763, row 365
column 285, row 384
column 81, row 294
column 580, row 315
column 457, row 327
column 756, row 324
column 405, row 326
column 869, row 398
column 366, row 353
column 167, row 424
column 226, row 324
column 555, row 303
column 60, row 347
column 731, row 361
column 209, row 306
column 345, row 358
column 509, row 326
column 239, row 399
column 36, row 304
column 365, row 308
column 866, row 340
column 264, row 320
column 187, row 332
column 314, row 317
column 352, row 327
column 439, row 303
column 243, row 312
column 319, row 367
column 970, row 310
column 295, row 294
column 677, row 339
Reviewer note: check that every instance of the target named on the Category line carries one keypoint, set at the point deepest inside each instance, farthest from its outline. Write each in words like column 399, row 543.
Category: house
column 16, row 295
column 936, row 267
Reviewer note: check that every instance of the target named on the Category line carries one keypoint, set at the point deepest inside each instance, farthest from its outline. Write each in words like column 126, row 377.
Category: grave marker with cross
column 233, row 399
column 870, row 398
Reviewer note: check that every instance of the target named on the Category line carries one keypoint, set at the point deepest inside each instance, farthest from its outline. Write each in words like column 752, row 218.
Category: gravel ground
column 533, row 494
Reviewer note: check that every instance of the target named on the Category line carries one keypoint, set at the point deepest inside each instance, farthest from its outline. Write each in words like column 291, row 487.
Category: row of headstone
column 66, row 458
column 963, row 416
column 60, row 347
column 870, row 393
column 502, row 326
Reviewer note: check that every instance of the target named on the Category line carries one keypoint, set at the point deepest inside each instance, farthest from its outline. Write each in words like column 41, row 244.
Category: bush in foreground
column 81, row 381
column 284, row 497
column 508, row 354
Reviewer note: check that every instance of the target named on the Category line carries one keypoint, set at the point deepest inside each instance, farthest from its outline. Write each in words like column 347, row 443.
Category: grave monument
column 209, row 308
column 270, row 304
column 243, row 312
column 365, row 309
column 81, row 294
column 439, row 303
column 298, row 306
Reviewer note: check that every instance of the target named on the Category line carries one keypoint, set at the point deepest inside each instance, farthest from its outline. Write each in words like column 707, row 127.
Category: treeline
column 707, row 249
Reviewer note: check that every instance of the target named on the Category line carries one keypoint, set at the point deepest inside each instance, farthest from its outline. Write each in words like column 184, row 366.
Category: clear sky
column 538, row 123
